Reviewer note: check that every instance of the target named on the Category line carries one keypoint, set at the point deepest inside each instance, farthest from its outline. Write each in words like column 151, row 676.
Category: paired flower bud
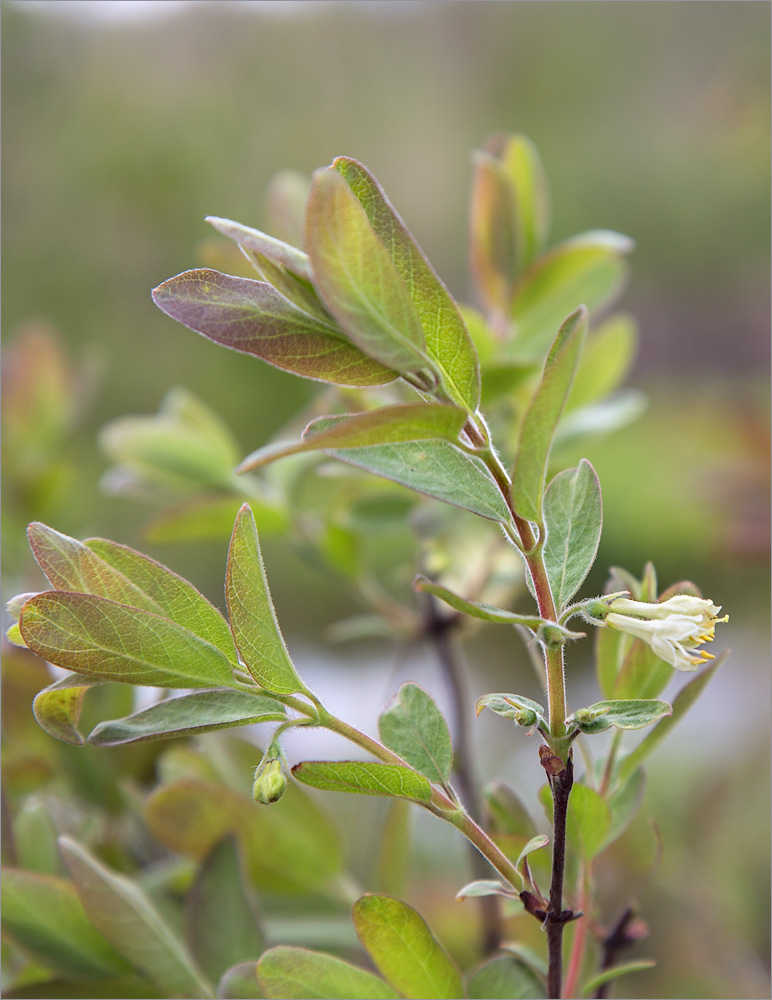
column 269, row 783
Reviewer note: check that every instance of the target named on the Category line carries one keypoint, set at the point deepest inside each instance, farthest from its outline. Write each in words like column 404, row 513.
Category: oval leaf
column 505, row 978
column 387, row 425
column 404, row 950
column 252, row 617
column 364, row 778
column 357, row 279
column 448, row 342
column 252, row 317
column 509, row 706
column 542, row 416
column 414, row 728
column 124, row 914
column 57, row 708
column 634, row 713
column 200, row 712
column 485, row 887
column 287, row 256
column 573, row 515
column 298, row 974
column 486, row 612
column 102, row 639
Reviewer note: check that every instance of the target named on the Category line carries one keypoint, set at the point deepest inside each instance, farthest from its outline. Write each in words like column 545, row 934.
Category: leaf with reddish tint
column 404, row 950
column 113, row 642
column 542, row 416
column 386, row 425
column 221, row 925
column 57, row 708
column 252, row 616
column 357, row 279
column 287, row 256
column 298, row 974
column 199, row 712
column 125, row 915
column 288, row 847
column 252, row 317
column 447, row 339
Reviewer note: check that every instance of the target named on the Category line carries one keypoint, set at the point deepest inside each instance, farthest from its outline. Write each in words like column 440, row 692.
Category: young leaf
column 287, row 256
column 252, row 317
column 289, row 848
column 486, row 612
column 288, row 973
column 413, row 727
column 387, row 425
column 589, row 268
column 509, row 215
column 605, row 362
column 404, row 950
column 252, row 617
column 506, row 813
column 534, row 844
column 573, row 514
column 484, row 887
column 240, row 983
column 364, row 778
column 681, row 704
column 643, row 674
column 640, row 965
column 633, row 713
column 624, row 805
column 122, row 912
column 609, row 652
column 57, row 707
column 513, row 707
column 589, row 819
column 543, row 414
column 221, row 926
column 210, row 517
column 100, row 638
column 200, row 712
column 448, row 343
column 504, row 978
column 357, row 279
column 436, row 468
column 43, row 915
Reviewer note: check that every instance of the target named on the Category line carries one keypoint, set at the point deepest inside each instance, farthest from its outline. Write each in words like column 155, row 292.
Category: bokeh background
column 125, row 124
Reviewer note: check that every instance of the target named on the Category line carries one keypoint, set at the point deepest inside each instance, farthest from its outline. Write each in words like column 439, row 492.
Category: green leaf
column 596, row 419
column 589, row 268
column 509, row 217
column 43, row 915
column 543, row 414
column 643, row 674
column 387, row 425
column 588, row 822
column 447, row 339
column 252, row 317
column 394, row 849
column 298, row 974
column 364, row 778
column 357, row 279
column 130, row 987
column 208, row 518
column 291, row 847
column 436, row 468
column 634, row 713
column 624, row 804
column 200, row 712
column 609, row 652
column 287, row 256
column 100, row 638
column 124, row 914
column 404, row 950
column 174, row 598
column 221, row 926
column 606, row 360
column 504, row 978
column 484, row 887
column 252, row 616
column 681, row 704
column 240, row 983
column 57, row 707
column 506, row 813
column 573, row 515
column 510, row 706
column 640, row 965
column 486, row 612
column 414, row 728
column 534, row 844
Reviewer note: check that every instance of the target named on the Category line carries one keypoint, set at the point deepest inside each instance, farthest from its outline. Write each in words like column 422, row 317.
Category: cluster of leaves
column 360, row 308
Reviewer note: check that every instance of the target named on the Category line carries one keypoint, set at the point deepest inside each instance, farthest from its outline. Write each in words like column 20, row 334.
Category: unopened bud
column 526, row 717
column 269, row 783
column 596, row 609
column 552, row 635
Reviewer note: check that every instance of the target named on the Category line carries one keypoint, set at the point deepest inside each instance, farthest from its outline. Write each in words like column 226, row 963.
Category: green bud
column 526, row 717
column 596, row 609
column 552, row 635
column 269, row 783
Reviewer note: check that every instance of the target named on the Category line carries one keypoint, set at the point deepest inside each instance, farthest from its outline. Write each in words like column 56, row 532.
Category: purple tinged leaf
column 252, row 239
column 447, row 339
column 357, row 279
column 252, row 317
column 387, row 425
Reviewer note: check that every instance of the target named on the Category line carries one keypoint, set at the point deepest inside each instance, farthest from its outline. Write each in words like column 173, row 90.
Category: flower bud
column 526, row 717
column 269, row 783
column 596, row 609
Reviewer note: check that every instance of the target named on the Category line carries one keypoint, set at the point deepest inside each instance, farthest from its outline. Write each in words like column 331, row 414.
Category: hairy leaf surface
column 414, row 728
column 573, row 516
column 364, row 778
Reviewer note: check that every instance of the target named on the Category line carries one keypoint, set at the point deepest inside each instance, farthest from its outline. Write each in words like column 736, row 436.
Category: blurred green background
column 123, row 128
